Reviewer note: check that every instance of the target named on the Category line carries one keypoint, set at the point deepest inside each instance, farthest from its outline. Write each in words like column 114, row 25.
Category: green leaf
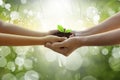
column 60, row 28
column 68, row 31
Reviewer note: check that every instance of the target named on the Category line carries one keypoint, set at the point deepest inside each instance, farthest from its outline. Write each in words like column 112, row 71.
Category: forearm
column 15, row 40
column 13, row 29
column 108, row 25
column 102, row 39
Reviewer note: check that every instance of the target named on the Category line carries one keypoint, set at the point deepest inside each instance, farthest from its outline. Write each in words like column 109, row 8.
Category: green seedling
column 63, row 30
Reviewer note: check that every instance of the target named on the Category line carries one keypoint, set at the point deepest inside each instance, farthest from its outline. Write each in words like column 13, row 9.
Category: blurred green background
column 40, row 63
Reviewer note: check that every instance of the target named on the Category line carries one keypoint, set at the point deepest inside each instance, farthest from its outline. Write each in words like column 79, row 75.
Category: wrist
column 39, row 41
column 82, row 33
column 45, row 34
column 86, row 40
column 41, row 34
column 44, row 40
column 80, row 41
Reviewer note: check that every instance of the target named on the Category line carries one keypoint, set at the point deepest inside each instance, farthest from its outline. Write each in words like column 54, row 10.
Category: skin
column 105, row 33
column 12, row 35
column 107, row 25
column 14, row 29
column 64, row 47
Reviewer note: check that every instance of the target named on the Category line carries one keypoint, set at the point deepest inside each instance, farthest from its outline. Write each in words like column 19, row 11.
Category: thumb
column 62, row 39
column 58, row 39
column 58, row 44
column 48, row 45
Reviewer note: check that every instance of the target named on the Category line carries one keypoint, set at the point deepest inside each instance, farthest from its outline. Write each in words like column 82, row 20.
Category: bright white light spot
column 79, row 25
column 105, row 51
column 50, row 56
column 9, row 76
column 22, row 51
column 74, row 61
column 56, row 8
column 8, row 6
column 11, row 66
column 116, row 52
column 28, row 64
column 61, row 60
column 93, row 14
column 31, row 75
column 55, row 12
column 25, row 11
column 3, row 62
column 91, row 11
column 1, row 2
column 114, row 63
column 23, row 1
column 83, row 51
column 94, row 50
column 19, row 61
column 96, row 19
column 14, row 15
column 89, row 78
column 30, row 13
column 4, row 51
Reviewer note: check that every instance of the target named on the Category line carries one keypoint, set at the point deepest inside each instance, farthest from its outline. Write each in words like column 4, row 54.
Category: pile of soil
column 61, row 34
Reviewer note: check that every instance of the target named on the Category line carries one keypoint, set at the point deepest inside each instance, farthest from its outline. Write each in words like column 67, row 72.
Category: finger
column 58, row 44
column 58, row 39
column 61, row 44
column 52, row 38
column 62, row 38
column 58, row 49
column 48, row 44
column 72, row 35
column 64, row 51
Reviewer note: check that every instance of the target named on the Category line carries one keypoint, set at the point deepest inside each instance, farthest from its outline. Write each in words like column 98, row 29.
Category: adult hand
column 66, row 47
column 78, row 33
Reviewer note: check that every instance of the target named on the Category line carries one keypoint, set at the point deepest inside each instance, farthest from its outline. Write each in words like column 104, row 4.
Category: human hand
column 52, row 39
column 66, row 47
column 78, row 33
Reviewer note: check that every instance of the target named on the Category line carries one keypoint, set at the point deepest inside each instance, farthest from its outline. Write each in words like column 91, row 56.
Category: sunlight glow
column 55, row 12
column 40, row 63
column 92, row 13
column 1, row 2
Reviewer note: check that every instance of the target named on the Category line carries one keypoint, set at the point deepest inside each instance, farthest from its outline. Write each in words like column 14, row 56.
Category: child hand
column 52, row 39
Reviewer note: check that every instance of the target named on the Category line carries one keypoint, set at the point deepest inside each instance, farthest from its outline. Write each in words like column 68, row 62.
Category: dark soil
column 60, row 34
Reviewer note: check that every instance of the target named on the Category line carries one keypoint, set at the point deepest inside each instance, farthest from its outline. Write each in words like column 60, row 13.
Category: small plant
column 63, row 30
